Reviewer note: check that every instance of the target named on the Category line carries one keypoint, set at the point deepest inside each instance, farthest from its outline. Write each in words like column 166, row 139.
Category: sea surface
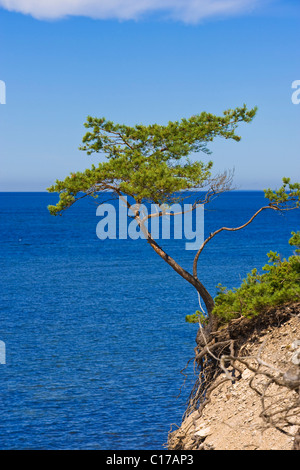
column 97, row 346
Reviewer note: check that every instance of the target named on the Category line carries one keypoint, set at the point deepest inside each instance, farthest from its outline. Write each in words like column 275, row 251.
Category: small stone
column 296, row 344
column 296, row 358
column 204, row 432
column 246, row 374
column 292, row 377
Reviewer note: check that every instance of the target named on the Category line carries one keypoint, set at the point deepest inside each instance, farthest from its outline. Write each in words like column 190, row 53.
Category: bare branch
column 228, row 229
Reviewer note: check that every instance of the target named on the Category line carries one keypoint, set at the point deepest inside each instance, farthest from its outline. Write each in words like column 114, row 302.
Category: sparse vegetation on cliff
column 278, row 284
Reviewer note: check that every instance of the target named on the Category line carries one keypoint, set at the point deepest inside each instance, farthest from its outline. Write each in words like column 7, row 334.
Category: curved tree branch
column 213, row 234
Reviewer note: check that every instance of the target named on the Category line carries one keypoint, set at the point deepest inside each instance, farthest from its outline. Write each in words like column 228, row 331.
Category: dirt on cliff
column 253, row 402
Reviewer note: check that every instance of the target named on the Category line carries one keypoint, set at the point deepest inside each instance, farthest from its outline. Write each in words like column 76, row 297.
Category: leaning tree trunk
column 193, row 280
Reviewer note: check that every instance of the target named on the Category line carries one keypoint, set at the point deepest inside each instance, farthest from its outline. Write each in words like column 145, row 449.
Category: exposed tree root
column 222, row 356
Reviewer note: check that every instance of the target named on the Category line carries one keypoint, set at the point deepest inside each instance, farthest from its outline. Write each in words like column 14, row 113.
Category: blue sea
column 97, row 346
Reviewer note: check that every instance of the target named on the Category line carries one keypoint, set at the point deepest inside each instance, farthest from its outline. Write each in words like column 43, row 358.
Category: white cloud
column 185, row 10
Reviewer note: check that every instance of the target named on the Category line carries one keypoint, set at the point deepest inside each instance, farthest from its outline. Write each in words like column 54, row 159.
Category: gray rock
column 292, row 377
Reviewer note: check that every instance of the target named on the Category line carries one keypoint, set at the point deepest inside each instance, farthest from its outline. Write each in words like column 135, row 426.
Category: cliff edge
column 252, row 401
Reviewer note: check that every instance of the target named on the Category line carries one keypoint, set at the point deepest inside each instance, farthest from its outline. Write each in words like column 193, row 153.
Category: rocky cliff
column 252, row 401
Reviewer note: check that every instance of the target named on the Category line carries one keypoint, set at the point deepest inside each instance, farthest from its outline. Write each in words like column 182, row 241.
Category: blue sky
column 142, row 65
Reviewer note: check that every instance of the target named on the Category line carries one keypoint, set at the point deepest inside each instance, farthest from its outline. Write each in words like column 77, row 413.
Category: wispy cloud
column 190, row 11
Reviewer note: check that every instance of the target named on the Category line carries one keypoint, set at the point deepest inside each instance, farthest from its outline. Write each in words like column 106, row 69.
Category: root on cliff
column 223, row 356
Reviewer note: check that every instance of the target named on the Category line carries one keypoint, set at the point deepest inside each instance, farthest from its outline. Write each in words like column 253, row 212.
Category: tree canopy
column 148, row 163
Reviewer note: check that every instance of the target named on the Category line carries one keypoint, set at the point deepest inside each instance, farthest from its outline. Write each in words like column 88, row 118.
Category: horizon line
column 56, row 192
